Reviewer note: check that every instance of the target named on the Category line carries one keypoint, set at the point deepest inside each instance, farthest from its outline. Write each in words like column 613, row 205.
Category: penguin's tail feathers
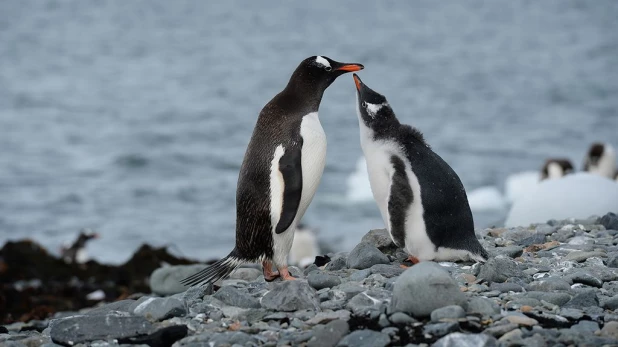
column 214, row 272
column 479, row 253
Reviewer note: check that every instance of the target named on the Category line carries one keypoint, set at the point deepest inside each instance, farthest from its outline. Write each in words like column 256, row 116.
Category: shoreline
column 547, row 284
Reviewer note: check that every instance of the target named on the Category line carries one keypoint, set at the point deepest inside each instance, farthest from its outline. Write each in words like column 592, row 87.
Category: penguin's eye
column 328, row 68
column 364, row 104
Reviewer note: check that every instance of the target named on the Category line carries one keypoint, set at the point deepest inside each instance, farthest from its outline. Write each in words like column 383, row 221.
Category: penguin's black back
column 278, row 124
column 448, row 218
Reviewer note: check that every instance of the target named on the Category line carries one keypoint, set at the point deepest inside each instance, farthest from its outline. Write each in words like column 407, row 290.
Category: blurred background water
column 132, row 118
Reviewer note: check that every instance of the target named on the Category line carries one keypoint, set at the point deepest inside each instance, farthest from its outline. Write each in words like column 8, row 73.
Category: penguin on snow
column 280, row 173
column 421, row 199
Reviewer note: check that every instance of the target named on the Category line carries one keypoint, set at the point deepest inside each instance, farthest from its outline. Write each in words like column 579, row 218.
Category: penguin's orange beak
column 357, row 81
column 351, row 67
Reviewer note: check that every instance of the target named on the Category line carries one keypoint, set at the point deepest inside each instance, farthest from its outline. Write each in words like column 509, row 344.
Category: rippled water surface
column 132, row 118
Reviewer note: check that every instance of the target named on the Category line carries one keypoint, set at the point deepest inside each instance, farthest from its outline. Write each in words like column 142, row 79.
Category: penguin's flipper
column 400, row 197
column 292, row 172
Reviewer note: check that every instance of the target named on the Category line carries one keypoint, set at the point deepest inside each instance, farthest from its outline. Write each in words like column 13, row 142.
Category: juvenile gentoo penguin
column 556, row 168
column 76, row 253
column 280, row 172
column 421, row 199
column 601, row 160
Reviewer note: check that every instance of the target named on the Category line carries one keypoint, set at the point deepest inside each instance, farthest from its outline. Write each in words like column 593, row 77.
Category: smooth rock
column 611, row 303
column 532, row 240
column 117, row 306
column 360, row 275
column 609, row 221
column 325, row 317
column 509, row 251
column 329, row 335
column 228, row 338
column 506, row 287
column 78, row 329
column 365, row 338
column 162, row 337
column 401, row 318
column 499, row 270
column 448, row 312
column 585, row 278
column 610, row 330
column 386, row 270
column 580, row 256
column 166, row 280
column 548, row 284
column 584, row 299
column 320, row 280
column 521, row 320
column 440, row 329
column 482, row 306
column 291, row 296
column 364, row 256
column 423, row 288
column 156, row 309
column 554, row 298
column 466, row 340
column 338, row 263
column 369, row 300
column 235, row 297
column 380, row 239
column 586, row 326
column 499, row 330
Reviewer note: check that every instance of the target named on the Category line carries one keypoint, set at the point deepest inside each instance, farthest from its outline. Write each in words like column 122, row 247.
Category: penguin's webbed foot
column 412, row 259
column 269, row 274
column 285, row 274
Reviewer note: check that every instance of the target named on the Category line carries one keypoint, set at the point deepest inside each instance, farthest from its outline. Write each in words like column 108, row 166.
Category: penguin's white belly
column 313, row 159
column 380, row 169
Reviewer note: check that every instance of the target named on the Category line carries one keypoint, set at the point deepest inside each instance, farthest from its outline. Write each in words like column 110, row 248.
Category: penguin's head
column 320, row 71
column 556, row 168
column 372, row 107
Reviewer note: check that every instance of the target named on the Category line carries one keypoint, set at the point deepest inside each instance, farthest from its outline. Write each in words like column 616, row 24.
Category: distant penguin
column 601, row 160
column 616, row 175
column 76, row 252
column 556, row 168
column 304, row 247
column 280, row 173
column 421, row 199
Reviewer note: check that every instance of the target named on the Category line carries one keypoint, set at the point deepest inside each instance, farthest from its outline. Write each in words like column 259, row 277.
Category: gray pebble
column 364, row 256
column 584, row 299
column 466, row 340
column 499, row 270
column 447, row 312
column 157, row 309
column 329, row 335
column 483, row 307
column 554, row 298
column 506, row 287
column 290, row 296
column 402, row 318
column 337, row 264
column 387, row 270
column 320, row 280
column 440, row 329
column 360, row 275
column 235, row 297
column 548, row 284
column 365, row 338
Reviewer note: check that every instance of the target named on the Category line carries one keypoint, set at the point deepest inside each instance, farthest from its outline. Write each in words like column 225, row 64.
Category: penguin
column 280, row 173
column 76, row 253
column 421, row 199
column 601, row 160
column 556, row 168
column 616, row 175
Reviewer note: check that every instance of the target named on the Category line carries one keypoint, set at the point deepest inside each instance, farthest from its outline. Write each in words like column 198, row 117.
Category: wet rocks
column 291, row 296
column 78, row 329
column 320, row 280
column 432, row 287
column 365, row 255
column 156, row 309
column 499, row 270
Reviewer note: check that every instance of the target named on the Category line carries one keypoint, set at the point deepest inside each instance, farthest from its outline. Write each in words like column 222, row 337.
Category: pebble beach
column 553, row 284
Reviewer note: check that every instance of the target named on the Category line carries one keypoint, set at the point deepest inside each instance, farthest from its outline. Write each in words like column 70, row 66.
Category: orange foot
column 414, row 260
column 285, row 274
column 269, row 274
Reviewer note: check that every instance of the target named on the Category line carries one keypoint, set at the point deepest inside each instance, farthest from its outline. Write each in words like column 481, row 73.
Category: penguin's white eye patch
column 372, row 109
column 321, row 61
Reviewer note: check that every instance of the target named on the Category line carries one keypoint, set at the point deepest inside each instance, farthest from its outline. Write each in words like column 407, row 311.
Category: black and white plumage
column 601, row 160
column 280, row 172
column 421, row 199
column 76, row 252
column 556, row 168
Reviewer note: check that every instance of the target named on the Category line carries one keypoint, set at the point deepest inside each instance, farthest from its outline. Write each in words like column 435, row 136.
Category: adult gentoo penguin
column 421, row 199
column 280, row 172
